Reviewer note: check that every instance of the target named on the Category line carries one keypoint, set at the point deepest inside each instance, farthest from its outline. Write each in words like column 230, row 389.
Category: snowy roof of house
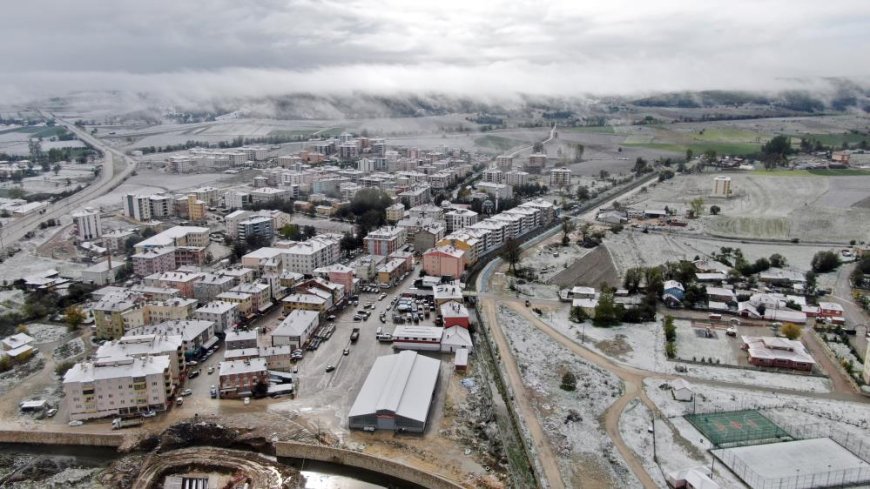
column 296, row 323
column 417, row 332
column 242, row 366
column 454, row 309
column 673, row 284
column 720, row 291
column 785, row 314
column 771, row 348
column 402, row 384
column 680, row 384
column 717, row 306
column 456, row 335
column 583, row 291
column 710, row 276
column 241, row 335
column 17, row 340
column 830, row 306
column 585, row 303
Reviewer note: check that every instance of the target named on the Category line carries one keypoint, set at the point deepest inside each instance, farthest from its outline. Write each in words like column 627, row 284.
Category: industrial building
column 397, row 394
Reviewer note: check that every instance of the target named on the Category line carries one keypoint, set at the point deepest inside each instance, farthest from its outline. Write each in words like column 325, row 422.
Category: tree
column 714, row 210
column 791, row 331
column 56, row 169
column 578, row 152
column 578, row 315
column 606, row 312
column 512, row 253
column 74, row 317
column 775, row 152
column 568, row 227
column 777, row 261
column 689, row 155
column 260, row 389
column 825, row 261
column 697, row 206
column 538, row 147
column 633, row 277
column 810, row 278
column 582, row 192
column 569, row 382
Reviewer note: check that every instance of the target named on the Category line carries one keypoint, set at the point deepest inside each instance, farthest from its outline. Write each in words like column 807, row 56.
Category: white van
column 379, row 332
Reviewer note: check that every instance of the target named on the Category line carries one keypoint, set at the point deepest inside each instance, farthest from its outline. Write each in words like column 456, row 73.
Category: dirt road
column 540, row 443
column 632, row 380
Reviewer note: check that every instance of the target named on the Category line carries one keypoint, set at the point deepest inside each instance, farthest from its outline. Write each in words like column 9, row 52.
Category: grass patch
column 835, row 140
column 496, row 142
column 38, row 131
column 592, row 129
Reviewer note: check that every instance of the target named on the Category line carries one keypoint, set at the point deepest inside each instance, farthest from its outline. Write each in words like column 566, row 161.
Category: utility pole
column 655, row 456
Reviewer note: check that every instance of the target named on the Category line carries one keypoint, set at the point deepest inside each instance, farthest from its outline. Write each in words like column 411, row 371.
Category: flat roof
column 112, row 368
column 242, row 366
column 168, row 237
column 296, row 323
column 421, row 332
column 401, row 383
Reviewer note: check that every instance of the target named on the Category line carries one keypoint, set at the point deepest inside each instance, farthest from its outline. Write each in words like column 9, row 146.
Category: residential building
column 416, row 196
column 243, row 301
column 296, row 328
column 504, row 163
column 147, row 346
column 87, row 224
column 102, row 273
column 137, row 207
column 454, row 313
column 768, row 351
column 537, row 162
column 427, row 236
column 560, row 177
column 195, row 208
column 255, row 226
column 385, row 240
column 175, row 309
column 395, row 212
column 183, row 281
column 239, row 378
column 176, row 236
column 210, row 285
column 496, row 190
column 241, row 339
column 317, row 252
column 109, row 317
column 117, row 386
column 493, row 175
column 444, row 261
column 460, row 218
column 196, row 335
column 236, row 200
column 268, row 194
column 304, row 302
column 515, row 177
column 338, row 274
column 224, row 315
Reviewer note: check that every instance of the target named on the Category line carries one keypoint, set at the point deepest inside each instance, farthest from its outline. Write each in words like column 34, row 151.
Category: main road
column 107, row 180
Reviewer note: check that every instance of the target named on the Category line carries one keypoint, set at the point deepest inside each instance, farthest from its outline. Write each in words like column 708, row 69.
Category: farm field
column 807, row 207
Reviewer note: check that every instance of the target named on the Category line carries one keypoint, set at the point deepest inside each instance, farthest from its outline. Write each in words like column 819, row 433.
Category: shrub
column 825, row 261
column 569, row 382
column 791, row 331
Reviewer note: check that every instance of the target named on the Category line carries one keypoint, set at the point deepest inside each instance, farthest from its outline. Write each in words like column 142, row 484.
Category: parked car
column 149, row 414
column 210, row 370
column 194, row 374
column 76, row 422
column 247, row 401
column 330, row 368
column 212, row 391
column 51, row 412
column 731, row 331
column 346, row 351
column 187, row 392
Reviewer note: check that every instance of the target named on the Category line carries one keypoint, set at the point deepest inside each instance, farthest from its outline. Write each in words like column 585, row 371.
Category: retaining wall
column 61, row 438
column 362, row 461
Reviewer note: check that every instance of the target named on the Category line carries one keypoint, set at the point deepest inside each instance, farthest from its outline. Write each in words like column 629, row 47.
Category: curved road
column 108, row 180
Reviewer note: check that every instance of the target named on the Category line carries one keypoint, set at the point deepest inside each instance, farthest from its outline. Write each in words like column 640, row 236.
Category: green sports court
column 737, row 428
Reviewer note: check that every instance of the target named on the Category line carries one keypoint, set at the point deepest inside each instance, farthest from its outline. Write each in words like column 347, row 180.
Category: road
column 108, row 180
column 530, row 146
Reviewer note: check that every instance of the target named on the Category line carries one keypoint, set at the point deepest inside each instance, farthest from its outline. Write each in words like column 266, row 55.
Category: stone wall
column 60, row 438
column 362, row 461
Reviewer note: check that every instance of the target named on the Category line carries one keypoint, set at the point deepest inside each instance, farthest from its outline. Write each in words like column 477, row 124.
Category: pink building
column 338, row 274
column 444, row 261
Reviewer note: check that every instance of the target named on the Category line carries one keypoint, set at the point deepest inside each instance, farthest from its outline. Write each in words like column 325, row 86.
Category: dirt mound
column 204, row 433
column 591, row 270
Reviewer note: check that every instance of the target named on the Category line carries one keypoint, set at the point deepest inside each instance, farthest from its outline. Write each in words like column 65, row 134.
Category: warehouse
column 397, row 394
column 414, row 337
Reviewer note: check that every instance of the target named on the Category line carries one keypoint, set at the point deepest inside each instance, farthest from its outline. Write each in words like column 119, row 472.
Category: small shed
column 460, row 360
column 695, row 478
column 682, row 390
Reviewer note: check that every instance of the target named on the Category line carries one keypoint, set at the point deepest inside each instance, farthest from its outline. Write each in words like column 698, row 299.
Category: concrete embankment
column 60, row 438
column 362, row 461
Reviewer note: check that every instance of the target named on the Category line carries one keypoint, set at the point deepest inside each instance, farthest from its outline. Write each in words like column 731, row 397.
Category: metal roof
column 402, row 384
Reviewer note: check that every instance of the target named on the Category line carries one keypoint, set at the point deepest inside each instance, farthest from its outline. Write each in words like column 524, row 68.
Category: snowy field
column 582, row 444
column 810, row 208
column 155, row 181
column 635, row 249
column 642, row 346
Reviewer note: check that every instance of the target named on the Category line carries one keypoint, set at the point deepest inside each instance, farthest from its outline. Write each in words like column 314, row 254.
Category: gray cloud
column 224, row 48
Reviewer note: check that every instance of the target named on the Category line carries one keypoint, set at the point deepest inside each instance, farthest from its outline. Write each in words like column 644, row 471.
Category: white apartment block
column 493, row 175
column 87, row 223
column 560, row 177
column 515, row 177
column 117, row 386
column 496, row 190
column 460, row 218
column 150, row 345
column 137, row 207
column 317, row 252
column 224, row 315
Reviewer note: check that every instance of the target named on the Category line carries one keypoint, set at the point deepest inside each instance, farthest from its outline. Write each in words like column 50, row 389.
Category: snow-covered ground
column 642, row 346
column 581, row 444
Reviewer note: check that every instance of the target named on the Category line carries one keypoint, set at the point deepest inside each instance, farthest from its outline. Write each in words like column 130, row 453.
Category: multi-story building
column 496, row 190
column 174, row 309
column 243, row 301
column 195, row 208
column 183, row 281
column 210, row 285
column 385, row 240
column 338, row 274
column 236, row 200
column 395, row 212
column 137, row 207
column 267, row 194
column 224, row 315
column 416, row 195
column 148, row 346
column 161, row 206
column 493, row 175
column 87, row 224
column 260, row 291
column 196, row 334
column 239, row 378
column 117, row 386
column 504, row 163
column 427, row 236
column 296, row 328
column 304, row 302
column 460, row 218
column 109, row 317
column 560, row 177
column 514, row 178
column 537, row 162
column 317, row 252
column 255, row 226
column 176, row 236
column 444, row 261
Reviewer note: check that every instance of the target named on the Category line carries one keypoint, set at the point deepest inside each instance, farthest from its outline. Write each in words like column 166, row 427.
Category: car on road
column 192, row 363
column 346, row 351
column 330, row 368
column 731, row 331
column 194, row 374
column 212, row 391
column 210, row 370
column 247, row 401
column 51, row 412
column 187, row 392
column 76, row 422
column 149, row 414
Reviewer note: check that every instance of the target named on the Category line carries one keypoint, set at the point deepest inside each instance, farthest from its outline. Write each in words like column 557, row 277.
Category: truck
column 121, row 423
column 354, row 335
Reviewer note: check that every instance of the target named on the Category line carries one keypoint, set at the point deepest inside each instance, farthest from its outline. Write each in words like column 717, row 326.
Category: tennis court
column 737, row 427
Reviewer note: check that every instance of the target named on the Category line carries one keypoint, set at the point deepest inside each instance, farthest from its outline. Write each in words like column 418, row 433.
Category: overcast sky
column 239, row 48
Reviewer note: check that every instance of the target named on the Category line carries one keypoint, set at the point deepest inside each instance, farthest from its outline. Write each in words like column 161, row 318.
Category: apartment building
column 296, row 328
column 109, row 317
column 395, row 212
column 87, row 224
column 239, row 378
column 496, row 190
column 317, row 252
column 137, row 207
column 117, row 386
column 210, row 285
column 224, row 315
column 255, row 226
column 149, row 345
column 243, row 301
column 416, row 195
column 183, row 281
column 459, row 218
column 515, row 177
column 176, row 236
column 385, row 240
column 560, row 177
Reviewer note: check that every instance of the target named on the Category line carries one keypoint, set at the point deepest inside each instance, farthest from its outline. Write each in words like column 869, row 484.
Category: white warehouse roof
column 402, row 384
